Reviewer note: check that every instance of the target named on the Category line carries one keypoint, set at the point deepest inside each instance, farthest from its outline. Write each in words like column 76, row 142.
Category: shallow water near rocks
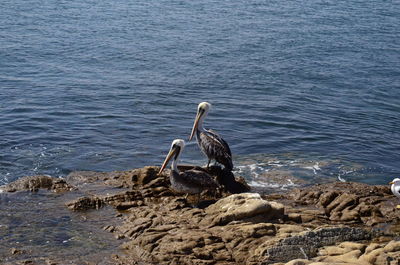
column 39, row 226
column 281, row 172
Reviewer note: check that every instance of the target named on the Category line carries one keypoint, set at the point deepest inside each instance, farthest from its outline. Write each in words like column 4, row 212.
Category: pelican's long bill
column 195, row 124
column 171, row 153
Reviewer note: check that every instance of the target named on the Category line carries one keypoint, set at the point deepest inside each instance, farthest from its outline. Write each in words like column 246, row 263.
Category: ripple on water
column 126, row 76
column 283, row 172
column 39, row 225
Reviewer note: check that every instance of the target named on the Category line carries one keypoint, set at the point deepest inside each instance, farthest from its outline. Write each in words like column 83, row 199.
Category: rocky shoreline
column 335, row 223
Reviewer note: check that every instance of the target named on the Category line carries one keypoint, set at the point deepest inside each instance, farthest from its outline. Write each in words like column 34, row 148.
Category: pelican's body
column 395, row 187
column 191, row 181
column 210, row 143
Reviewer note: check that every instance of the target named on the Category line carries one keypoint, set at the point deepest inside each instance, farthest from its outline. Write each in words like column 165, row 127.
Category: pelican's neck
column 174, row 165
column 200, row 126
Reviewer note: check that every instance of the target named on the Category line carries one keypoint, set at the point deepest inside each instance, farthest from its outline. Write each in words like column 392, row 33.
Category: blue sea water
column 308, row 88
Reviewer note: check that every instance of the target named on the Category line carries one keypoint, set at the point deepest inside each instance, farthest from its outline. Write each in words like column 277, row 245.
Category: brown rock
column 242, row 206
column 350, row 202
column 322, row 224
column 392, row 246
column 85, row 203
column 34, row 183
column 143, row 176
column 298, row 262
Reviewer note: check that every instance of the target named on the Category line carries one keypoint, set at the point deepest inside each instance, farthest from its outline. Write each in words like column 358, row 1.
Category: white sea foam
column 341, row 179
column 260, row 184
column 314, row 168
column 256, row 173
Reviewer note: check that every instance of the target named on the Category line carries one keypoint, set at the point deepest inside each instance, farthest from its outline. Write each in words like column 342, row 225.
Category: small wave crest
column 271, row 175
column 292, row 170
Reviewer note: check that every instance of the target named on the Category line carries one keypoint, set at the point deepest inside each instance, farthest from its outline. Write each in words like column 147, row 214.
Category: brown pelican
column 210, row 143
column 395, row 187
column 191, row 181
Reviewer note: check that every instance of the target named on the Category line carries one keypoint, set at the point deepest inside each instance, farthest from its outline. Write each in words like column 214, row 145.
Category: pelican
column 210, row 143
column 191, row 181
column 396, row 189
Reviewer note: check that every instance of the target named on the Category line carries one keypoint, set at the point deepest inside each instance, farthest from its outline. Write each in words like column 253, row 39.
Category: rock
column 183, row 234
column 353, row 246
column 143, row 176
column 85, row 203
column 34, row 183
column 321, row 224
column 16, row 251
column 350, row 202
column 392, row 246
column 163, row 227
column 243, row 206
column 305, row 245
column 349, row 257
column 298, row 262
column 348, row 253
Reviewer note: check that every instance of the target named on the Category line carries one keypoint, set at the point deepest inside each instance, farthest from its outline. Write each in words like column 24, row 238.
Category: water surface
column 107, row 85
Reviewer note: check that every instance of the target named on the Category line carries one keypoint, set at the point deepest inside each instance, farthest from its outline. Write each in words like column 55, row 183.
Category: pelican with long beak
column 210, row 143
column 190, row 181
column 395, row 187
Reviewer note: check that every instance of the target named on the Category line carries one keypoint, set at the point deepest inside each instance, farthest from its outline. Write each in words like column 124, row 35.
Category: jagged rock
column 163, row 227
column 321, row 224
column 143, row 176
column 352, row 253
column 34, row 183
column 16, row 251
column 305, row 244
column 351, row 202
column 241, row 234
column 85, row 203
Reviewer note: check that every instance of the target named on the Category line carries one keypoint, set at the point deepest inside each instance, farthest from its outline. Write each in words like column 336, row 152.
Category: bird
column 395, row 187
column 191, row 181
column 209, row 141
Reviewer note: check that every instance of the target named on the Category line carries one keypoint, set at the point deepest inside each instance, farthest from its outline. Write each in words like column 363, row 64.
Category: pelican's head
column 202, row 111
column 174, row 152
column 395, row 187
column 204, row 106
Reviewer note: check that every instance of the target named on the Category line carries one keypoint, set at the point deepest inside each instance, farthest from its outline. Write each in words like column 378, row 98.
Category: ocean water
column 309, row 89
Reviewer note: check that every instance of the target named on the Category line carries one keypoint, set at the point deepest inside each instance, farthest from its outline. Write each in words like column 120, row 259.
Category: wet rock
column 34, row 183
column 126, row 198
column 85, row 203
column 119, row 179
column 109, row 228
column 321, row 224
column 16, row 251
column 163, row 227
